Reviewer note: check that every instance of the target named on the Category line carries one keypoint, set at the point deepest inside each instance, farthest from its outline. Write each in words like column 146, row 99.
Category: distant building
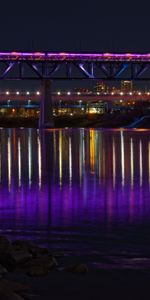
column 100, row 87
column 126, row 86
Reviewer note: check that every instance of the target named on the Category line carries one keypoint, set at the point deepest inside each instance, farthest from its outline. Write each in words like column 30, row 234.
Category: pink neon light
column 14, row 55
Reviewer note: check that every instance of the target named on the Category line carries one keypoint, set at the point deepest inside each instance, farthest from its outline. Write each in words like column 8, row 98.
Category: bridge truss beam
column 39, row 70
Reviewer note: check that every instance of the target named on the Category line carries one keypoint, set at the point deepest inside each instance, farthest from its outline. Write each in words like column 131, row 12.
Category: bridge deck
column 68, row 56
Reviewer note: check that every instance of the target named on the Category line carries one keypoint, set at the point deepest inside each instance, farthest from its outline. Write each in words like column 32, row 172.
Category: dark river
column 76, row 189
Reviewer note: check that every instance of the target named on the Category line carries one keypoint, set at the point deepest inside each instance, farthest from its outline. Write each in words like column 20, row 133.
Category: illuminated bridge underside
column 73, row 97
column 105, row 66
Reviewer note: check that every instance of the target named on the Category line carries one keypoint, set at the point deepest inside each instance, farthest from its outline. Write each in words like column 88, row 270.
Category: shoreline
column 70, row 277
column 107, row 120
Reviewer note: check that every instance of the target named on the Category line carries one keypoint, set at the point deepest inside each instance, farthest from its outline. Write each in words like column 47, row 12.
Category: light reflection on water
column 73, row 178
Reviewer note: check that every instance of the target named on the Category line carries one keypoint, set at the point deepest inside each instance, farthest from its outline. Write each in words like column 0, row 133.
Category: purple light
column 74, row 56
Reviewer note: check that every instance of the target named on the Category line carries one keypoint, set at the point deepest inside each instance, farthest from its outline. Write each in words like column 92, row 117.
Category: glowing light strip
column 74, row 56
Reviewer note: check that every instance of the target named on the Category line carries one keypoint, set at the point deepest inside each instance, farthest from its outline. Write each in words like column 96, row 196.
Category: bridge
column 47, row 66
column 74, row 97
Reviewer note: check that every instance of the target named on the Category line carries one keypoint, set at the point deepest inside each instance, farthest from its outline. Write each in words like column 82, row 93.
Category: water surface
column 83, row 190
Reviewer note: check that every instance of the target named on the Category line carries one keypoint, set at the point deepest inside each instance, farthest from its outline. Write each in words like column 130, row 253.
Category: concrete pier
column 46, row 106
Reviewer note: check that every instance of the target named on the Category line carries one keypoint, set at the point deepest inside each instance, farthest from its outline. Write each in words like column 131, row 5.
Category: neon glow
column 74, row 56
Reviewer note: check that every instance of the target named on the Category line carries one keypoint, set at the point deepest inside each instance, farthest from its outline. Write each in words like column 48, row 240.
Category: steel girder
column 38, row 70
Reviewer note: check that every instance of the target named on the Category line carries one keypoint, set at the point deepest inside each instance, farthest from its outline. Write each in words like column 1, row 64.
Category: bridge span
column 45, row 66
column 85, row 97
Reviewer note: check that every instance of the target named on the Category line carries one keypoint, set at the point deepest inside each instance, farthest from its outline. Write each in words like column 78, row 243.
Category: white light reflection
column 141, row 166
column 122, row 158
column 100, row 157
column 81, row 154
column 54, row 143
column 114, row 164
column 70, row 161
column 19, row 162
column 9, row 163
column 29, row 158
column 60, row 158
column 39, row 161
column 131, row 161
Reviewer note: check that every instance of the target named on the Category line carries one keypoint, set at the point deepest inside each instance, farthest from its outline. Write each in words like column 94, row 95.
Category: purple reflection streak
column 92, row 198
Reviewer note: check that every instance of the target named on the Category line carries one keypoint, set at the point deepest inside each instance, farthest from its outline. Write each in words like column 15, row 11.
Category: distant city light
column 59, row 93
column 38, row 93
column 68, row 93
column 97, row 93
column 28, row 93
column 113, row 93
column 130, row 93
column 121, row 93
column 120, row 101
column 139, row 93
column 92, row 110
column 78, row 93
column 7, row 93
column 17, row 93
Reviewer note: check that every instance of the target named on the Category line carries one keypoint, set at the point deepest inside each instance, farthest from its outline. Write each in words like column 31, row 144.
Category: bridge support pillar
column 46, row 107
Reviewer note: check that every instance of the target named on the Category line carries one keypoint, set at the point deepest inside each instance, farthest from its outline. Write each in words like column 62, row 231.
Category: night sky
column 74, row 26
